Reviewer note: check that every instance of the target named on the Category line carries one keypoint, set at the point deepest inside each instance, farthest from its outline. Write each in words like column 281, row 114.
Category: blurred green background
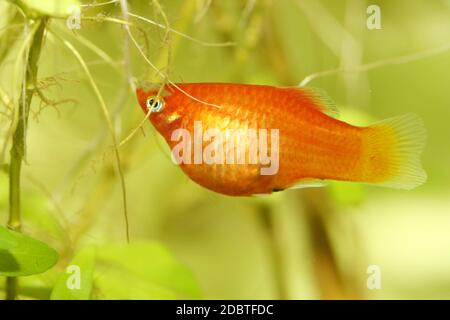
column 189, row 242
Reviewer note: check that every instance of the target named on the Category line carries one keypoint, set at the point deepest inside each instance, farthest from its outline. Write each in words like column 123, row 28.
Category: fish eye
column 155, row 104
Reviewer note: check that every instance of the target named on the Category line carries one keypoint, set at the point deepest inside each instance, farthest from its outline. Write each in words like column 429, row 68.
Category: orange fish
column 292, row 133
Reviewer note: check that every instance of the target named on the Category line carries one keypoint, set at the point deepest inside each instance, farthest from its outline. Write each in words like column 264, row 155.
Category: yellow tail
column 391, row 155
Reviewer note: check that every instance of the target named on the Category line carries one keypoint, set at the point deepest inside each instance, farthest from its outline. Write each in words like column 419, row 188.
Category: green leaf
column 21, row 255
column 6, row 242
column 112, row 283
column 75, row 283
column 53, row 8
column 143, row 271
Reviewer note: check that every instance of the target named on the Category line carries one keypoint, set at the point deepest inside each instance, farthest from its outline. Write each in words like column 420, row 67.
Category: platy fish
column 286, row 138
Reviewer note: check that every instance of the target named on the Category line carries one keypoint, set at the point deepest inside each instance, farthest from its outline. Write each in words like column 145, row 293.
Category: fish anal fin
column 308, row 183
column 303, row 183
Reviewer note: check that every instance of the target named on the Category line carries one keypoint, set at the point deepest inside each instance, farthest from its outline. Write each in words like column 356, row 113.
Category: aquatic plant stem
column 110, row 128
column 17, row 151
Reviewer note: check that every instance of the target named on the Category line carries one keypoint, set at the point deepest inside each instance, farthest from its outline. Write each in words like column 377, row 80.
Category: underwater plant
column 92, row 206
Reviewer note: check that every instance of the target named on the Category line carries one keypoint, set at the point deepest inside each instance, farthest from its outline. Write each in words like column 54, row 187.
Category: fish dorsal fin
column 321, row 100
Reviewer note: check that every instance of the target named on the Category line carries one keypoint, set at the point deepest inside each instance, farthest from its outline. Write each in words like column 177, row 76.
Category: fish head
column 155, row 101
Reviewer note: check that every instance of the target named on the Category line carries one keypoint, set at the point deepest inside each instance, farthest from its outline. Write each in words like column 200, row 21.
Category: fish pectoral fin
column 321, row 100
column 308, row 183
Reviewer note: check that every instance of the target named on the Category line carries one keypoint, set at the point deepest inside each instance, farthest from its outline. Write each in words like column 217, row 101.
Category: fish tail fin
column 392, row 152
